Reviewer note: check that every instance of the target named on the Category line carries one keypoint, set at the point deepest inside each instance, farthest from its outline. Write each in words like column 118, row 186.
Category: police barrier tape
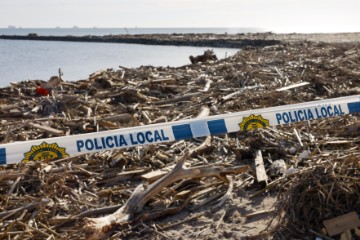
column 67, row 146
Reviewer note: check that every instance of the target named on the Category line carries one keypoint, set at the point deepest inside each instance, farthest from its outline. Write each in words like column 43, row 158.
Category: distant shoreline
column 196, row 40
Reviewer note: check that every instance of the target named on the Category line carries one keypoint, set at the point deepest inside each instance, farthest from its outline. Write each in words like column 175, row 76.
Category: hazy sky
column 273, row 15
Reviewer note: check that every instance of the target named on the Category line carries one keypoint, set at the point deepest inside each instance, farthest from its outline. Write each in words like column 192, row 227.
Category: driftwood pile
column 207, row 56
column 145, row 192
column 324, row 191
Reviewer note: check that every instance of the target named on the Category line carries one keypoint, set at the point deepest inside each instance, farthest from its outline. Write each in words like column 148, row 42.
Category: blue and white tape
column 67, row 146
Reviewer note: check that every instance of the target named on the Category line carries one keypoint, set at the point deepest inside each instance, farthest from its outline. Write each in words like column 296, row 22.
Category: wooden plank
column 162, row 80
column 298, row 137
column 4, row 106
column 292, row 86
column 122, row 118
column 47, row 129
column 261, row 175
column 346, row 235
column 124, row 176
column 258, row 213
column 183, row 194
column 155, row 175
column 342, row 223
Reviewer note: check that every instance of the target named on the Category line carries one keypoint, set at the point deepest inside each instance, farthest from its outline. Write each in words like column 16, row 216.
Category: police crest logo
column 45, row 151
column 253, row 122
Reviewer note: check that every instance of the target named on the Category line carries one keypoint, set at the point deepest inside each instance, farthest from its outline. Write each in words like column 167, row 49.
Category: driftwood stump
column 207, row 56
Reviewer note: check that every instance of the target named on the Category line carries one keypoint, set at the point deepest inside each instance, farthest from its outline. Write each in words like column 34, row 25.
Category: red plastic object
column 42, row 91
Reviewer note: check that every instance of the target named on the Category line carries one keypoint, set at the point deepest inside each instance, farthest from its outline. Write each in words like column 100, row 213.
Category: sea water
column 23, row 59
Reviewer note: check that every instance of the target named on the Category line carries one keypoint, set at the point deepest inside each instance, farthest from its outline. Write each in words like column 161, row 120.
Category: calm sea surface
column 22, row 60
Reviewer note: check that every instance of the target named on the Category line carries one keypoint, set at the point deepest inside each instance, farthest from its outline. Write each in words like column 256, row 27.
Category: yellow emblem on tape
column 253, row 122
column 45, row 151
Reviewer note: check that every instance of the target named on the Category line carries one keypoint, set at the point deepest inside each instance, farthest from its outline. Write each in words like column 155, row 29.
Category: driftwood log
column 100, row 228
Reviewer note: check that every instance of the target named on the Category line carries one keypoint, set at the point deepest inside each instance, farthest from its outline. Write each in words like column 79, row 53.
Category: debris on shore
column 208, row 55
column 203, row 188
